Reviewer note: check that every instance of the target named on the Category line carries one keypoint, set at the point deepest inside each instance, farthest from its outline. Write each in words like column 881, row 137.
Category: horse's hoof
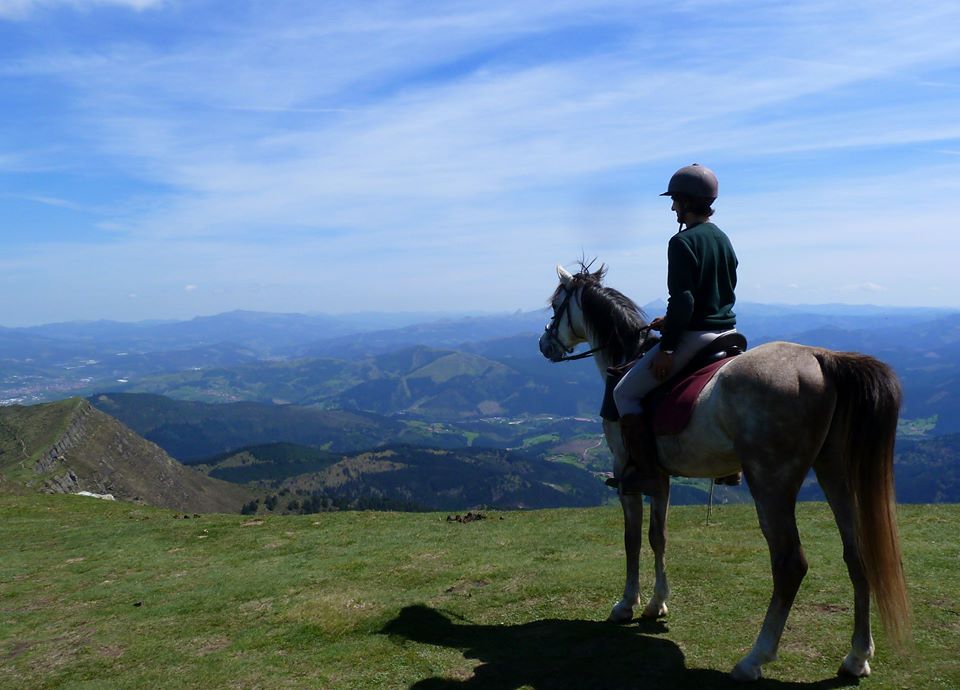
column 746, row 672
column 851, row 668
column 655, row 610
column 620, row 614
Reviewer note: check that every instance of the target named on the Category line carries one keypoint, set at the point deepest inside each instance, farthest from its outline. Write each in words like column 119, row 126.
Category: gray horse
column 773, row 412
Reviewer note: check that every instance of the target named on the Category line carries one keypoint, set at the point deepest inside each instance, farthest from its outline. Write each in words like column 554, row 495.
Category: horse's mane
column 614, row 318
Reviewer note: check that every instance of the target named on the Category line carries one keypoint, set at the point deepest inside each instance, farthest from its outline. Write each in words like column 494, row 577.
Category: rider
column 701, row 277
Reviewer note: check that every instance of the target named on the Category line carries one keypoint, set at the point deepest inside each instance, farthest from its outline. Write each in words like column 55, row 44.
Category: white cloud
column 21, row 9
column 455, row 140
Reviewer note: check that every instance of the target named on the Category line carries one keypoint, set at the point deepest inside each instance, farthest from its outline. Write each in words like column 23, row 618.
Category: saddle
column 668, row 406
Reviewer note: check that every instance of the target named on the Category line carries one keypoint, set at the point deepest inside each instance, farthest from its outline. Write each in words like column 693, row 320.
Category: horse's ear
column 565, row 277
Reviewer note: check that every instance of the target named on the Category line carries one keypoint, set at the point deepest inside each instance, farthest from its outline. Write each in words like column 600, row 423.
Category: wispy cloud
column 497, row 132
column 22, row 9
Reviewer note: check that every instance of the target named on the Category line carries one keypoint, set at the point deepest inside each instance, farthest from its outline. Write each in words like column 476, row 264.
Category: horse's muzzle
column 550, row 348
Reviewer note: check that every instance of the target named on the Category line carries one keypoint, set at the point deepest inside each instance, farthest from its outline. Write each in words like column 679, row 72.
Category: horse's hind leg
column 632, row 537
column 829, row 474
column 657, row 606
column 775, row 510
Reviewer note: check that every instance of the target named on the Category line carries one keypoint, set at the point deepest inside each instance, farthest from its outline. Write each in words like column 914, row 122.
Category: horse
column 772, row 412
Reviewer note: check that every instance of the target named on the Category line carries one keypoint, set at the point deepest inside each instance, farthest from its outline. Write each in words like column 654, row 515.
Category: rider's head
column 693, row 189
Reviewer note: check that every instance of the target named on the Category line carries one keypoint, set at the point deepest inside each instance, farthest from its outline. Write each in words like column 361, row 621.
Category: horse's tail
column 868, row 404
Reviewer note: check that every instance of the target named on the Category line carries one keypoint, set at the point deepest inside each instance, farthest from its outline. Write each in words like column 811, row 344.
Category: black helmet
column 694, row 180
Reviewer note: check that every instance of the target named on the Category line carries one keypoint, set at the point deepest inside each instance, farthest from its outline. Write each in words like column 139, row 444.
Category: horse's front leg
column 632, row 537
column 657, row 606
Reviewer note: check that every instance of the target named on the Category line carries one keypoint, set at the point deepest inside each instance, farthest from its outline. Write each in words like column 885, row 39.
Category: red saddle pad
column 674, row 411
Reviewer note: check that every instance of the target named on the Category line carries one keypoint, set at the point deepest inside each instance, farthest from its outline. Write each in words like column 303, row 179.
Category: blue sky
column 171, row 158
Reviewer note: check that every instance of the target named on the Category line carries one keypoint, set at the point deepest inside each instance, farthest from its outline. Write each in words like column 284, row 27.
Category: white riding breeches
column 640, row 379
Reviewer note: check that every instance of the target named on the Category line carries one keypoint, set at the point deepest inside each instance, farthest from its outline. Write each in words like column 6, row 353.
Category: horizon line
column 463, row 313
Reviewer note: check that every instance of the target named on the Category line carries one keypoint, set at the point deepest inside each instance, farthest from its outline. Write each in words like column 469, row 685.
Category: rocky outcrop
column 66, row 483
column 98, row 454
column 70, row 438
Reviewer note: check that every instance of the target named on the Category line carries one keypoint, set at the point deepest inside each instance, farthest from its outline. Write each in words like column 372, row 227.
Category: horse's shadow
column 566, row 654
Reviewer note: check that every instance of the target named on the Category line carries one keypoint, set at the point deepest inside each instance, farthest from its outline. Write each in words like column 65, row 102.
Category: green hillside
column 194, row 430
column 69, row 446
column 415, row 478
column 27, row 433
column 98, row 594
column 269, row 462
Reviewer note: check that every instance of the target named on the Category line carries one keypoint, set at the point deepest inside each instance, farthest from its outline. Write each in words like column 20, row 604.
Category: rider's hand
column 657, row 324
column 662, row 365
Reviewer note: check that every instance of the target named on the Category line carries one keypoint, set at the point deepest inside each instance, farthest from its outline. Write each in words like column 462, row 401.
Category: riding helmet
column 694, row 180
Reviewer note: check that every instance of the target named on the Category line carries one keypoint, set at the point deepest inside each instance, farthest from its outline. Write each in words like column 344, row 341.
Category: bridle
column 553, row 328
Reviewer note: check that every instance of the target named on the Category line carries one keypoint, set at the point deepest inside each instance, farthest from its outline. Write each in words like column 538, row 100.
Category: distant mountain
column 443, row 334
column 928, row 471
column 193, row 430
column 69, row 446
column 436, row 479
column 421, row 381
column 357, row 371
column 264, row 333
column 269, row 463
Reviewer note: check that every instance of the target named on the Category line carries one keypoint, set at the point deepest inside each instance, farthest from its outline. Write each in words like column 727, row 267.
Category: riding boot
column 642, row 474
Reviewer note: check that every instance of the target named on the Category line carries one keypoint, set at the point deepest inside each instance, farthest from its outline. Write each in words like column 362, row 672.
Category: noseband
column 553, row 329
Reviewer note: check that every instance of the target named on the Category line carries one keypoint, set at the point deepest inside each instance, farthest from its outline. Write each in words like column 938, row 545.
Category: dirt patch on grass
column 466, row 587
column 56, row 652
column 831, row 608
column 16, row 650
column 257, row 605
column 111, row 651
column 203, row 647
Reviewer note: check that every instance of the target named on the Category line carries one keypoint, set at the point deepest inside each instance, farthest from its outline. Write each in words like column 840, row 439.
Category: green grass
column 539, row 440
column 97, row 594
column 916, row 428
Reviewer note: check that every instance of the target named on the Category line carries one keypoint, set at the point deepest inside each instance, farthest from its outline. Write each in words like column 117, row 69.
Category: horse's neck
column 600, row 341
column 602, row 356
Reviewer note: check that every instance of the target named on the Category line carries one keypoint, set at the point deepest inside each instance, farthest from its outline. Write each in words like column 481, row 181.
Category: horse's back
column 772, row 399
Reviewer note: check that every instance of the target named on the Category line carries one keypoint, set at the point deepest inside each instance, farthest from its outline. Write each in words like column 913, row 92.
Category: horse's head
column 566, row 328
column 586, row 311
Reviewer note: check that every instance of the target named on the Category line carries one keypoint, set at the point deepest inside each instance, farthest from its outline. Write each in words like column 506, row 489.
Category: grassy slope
column 356, row 600
column 28, row 432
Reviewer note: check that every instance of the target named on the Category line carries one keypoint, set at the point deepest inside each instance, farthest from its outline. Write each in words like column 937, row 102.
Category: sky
column 175, row 158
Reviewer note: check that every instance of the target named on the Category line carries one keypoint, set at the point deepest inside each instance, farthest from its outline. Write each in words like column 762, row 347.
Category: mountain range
column 450, row 368
column 342, row 412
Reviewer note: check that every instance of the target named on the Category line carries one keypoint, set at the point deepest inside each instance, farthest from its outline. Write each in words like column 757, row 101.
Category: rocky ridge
column 96, row 453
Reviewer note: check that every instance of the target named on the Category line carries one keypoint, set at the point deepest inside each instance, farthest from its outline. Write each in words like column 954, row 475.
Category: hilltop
column 70, row 446
column 94, row 590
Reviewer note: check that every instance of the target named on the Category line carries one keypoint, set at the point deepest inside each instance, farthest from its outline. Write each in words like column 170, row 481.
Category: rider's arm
column 681, row 282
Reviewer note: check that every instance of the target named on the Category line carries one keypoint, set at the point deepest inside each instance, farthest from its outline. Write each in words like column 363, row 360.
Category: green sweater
column 701, row 277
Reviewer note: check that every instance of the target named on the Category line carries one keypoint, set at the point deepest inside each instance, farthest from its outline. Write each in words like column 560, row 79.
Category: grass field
column 106, row 595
